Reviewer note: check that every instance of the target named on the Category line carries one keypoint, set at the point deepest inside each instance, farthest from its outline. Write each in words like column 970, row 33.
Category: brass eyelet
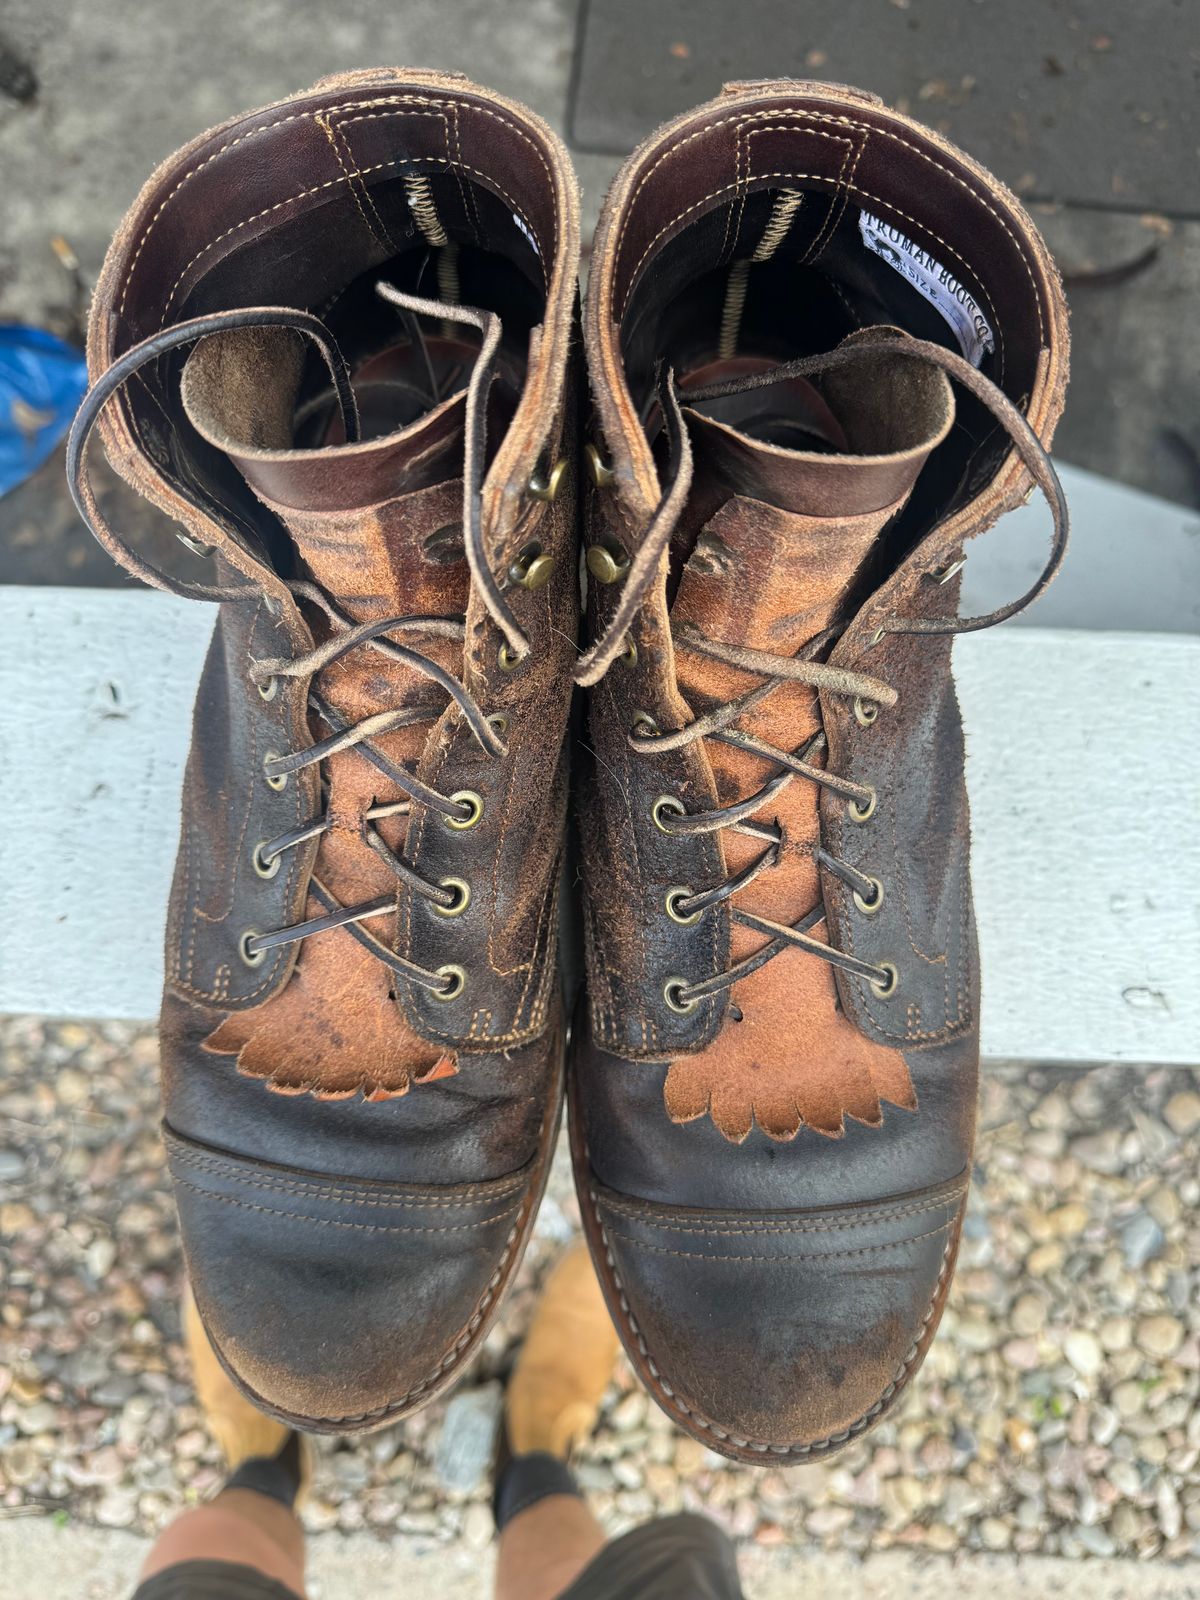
column 473, row 804
column 507, row 658
column 862, row 812
column 629, row 654
column 264, row 867
column 456, row 982
column 546, row 488
column 644, row 724
column 865, row 711
column 885, row 988
column 267, row 690
column 666, row 803
column 533, row 568
column 498, row 722
column 671, row 901
column 871, row 906
column 274, row 780
column 462, row 897
column 602, row 474
column 252, row 958
column 604, row 566
column 673, row 995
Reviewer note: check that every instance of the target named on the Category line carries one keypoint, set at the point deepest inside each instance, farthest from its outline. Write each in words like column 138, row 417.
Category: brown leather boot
column 348, row 321
column 241, row 1430
column 565, row 1362
column 826, row 348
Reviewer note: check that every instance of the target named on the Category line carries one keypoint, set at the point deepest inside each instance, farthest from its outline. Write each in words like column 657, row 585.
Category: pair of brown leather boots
column 336, row 341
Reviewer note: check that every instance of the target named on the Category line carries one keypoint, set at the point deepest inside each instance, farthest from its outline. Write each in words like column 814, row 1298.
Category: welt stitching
column 517, row 1032
column 784, row 1259
column 465, row 1339
column 354, row 1197
column 741, row 173
column 197, row 913
column 599, row 978
column 765, row 1225
column 661, row 1387
column 464, row 190
column 906, row 910
column 833, row 222
column 373, row 116
column 507, row 813
column 948, row 1028
column 363, row 199
column 676, row 146
column 849, row 122
column 333, row 1222
column 221, row 1168
column 305, row 116
column 220, row 989
column 851, row 154
column 537, row 964
column 726, row 246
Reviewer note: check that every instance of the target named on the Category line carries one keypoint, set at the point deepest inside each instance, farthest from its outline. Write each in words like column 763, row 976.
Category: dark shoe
column 361, row 1031
column 774, row 1074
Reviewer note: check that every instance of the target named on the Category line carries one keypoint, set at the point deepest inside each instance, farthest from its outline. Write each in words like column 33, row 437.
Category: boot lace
column 459, row 811
column 870, row 695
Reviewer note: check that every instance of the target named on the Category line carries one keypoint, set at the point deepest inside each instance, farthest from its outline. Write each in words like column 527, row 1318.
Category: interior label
column 939, row 286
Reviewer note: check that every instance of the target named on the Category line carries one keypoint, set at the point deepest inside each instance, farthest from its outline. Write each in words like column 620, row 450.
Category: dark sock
column 276, row 1476
column 521, row 1481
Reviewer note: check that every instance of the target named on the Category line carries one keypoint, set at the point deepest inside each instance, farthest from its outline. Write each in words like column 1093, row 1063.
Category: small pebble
column 1182, row 1112
column 1160, row 1337
column 1083, row 1351
column 1058, row 1412
column 1101, row 1152
column 1141, row 1240
column 1094, row 1539
column 996, row 1534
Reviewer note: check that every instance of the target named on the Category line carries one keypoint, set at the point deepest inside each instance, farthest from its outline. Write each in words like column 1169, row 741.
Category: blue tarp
column 42, row 381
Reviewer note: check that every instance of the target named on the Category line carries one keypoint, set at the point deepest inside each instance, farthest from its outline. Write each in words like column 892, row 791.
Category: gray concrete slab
column 1133, row 563
column 122, row 86
column 1133, row 403
column 1083, row 900
column 39, row 1559
column 1095, row 105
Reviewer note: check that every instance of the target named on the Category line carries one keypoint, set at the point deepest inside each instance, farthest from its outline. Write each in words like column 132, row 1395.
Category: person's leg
column 251, row 1526
column 551, row 1546
column 545, row 1548
column 240, row 1526
column 547, row 1534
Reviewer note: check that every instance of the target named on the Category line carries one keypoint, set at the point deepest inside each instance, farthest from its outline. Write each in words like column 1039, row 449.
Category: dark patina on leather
column 357, row 1158
column 774, row 1189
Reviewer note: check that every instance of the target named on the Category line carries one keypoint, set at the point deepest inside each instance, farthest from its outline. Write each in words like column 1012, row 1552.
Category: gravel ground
column 1058, row 1412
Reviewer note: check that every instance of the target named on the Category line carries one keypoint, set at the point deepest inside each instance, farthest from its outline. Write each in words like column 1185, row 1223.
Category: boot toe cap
column 341, row 1306
column 779, row 1335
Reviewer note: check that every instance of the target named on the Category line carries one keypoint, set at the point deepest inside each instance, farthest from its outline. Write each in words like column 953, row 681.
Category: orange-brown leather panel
column 762, row 1068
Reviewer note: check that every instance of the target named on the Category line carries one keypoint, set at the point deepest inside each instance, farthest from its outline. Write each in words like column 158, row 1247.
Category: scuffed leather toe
column 783, row 1333
column 339, row 1305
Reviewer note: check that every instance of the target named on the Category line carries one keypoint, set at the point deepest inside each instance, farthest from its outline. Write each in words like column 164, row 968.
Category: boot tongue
column 773, row 566
column 774, row 574
column 360, row 515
